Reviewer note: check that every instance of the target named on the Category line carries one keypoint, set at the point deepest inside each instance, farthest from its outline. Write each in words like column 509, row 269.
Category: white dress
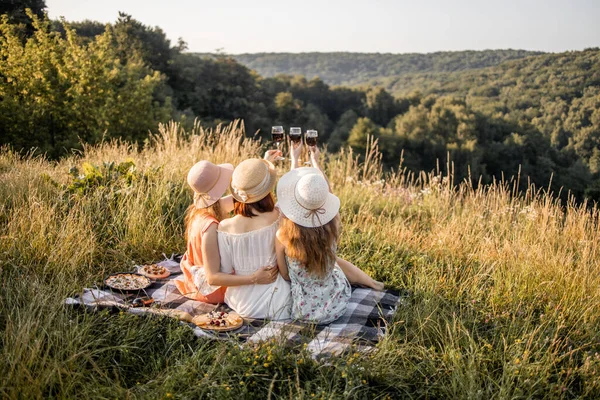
column 243, row 254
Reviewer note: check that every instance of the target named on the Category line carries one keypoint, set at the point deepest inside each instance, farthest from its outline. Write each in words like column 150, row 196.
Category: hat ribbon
column 204, row 196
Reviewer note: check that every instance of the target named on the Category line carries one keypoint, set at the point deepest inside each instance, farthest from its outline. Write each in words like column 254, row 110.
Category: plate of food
column 154, row 271
column 127, row 281
column 219, row 321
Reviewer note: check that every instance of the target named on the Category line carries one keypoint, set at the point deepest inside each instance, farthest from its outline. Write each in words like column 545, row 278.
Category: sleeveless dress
column 243, row 254
column 318, row 300
column 194, row 284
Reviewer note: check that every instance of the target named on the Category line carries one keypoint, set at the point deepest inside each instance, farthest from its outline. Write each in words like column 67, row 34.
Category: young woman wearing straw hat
column 247, row 242
column 308, row 234
column 202, row 278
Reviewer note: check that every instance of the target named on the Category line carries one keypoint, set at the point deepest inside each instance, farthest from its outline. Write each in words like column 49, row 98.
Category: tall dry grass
column 504, row 288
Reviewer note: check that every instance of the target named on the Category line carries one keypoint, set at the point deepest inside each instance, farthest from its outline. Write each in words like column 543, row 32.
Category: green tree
column 360, row 133
column 381, row 106
column 16, row 11
column 340, row 134
column 56, row 92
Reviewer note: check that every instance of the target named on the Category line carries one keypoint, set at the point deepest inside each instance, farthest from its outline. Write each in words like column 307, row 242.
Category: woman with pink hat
column 202, row 278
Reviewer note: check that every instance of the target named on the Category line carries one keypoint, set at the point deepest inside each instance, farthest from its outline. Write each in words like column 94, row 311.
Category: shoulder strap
column 208, row 221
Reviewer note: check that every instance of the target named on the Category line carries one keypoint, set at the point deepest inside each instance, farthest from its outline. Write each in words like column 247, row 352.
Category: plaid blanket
column 361, row 327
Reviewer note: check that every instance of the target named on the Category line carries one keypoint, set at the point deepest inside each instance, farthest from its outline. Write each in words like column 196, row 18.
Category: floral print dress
column 318, row 300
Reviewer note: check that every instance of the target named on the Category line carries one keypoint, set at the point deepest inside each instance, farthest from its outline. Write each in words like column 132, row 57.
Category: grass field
column 505, row 289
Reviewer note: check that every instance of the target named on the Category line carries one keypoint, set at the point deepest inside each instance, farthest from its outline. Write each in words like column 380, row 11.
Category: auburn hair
column 313, row 247
column 194, row 212
column 266, row 204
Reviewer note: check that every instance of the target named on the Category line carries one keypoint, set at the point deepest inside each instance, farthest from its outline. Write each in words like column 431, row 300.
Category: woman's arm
column 357, row 276
column 314, row 159
column 212, row 265
column 281, row 261
column 295, row 152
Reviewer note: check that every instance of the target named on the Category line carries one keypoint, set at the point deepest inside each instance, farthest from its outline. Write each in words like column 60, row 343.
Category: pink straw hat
column 209, row 182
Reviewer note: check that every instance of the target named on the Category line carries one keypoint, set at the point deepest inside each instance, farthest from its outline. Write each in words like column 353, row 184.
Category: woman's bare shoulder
column 272, row 216
column 227, row 225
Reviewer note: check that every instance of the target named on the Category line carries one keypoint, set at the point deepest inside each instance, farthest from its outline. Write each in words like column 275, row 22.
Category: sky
column 376, row 26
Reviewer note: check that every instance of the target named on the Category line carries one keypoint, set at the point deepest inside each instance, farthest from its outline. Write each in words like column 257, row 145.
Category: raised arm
column 314, row 159
column 295, row 152
column 212, row 265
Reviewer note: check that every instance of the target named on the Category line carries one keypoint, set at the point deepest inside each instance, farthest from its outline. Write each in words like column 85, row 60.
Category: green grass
column 504, row 290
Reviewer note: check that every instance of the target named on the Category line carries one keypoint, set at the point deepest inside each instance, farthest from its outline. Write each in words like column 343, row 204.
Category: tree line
column 352, row 69
column 64, row 83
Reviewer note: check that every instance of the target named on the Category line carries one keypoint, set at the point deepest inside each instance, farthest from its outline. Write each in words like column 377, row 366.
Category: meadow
column 504, row 286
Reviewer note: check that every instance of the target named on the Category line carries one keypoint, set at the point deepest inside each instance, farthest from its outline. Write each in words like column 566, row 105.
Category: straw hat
column 209, row 182
column 253, row 180
column 303, row 197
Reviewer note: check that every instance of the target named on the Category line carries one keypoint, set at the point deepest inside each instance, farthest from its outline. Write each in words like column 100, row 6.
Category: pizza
column 154, row 271
column 127, row 281
column 218, row 321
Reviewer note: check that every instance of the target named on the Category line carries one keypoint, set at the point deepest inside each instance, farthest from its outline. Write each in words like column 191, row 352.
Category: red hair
column 266, row 204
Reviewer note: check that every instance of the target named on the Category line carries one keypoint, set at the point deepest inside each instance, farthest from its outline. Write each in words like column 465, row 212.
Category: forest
column 353, row 69
column 489, row 114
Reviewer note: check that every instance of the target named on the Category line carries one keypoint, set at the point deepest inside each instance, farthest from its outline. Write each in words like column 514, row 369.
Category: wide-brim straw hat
column 253, row 180
column 303, row 197
column 209, row 182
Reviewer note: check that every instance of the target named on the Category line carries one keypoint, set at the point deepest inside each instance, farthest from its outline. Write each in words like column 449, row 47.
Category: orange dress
column 192, row 261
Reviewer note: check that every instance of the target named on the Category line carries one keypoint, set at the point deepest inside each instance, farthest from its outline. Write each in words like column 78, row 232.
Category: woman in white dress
column 247, row 242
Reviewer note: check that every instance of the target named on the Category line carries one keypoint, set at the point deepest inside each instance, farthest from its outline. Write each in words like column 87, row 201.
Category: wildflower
column 169, row 395
column 266, row 365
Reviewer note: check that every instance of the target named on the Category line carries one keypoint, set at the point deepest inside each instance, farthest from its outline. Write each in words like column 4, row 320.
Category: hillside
column 548, row 74
column 358, row 68
column 504, row 291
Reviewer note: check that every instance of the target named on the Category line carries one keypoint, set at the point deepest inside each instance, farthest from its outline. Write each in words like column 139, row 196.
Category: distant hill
column 548, row 75
column 359, row 68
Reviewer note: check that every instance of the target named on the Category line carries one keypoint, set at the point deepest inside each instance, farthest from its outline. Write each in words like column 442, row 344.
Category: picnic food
column 127, row 281
column 218, row 321
column 154, row 271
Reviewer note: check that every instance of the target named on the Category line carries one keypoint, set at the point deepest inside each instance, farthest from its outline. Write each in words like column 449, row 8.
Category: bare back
column 240, row 224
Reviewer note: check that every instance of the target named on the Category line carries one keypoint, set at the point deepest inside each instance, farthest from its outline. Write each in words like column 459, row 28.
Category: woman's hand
column 272, row 155
column 265, row 275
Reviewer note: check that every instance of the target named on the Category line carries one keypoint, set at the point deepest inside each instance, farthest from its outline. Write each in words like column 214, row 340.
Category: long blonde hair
column 193, row 212
column 313, row 247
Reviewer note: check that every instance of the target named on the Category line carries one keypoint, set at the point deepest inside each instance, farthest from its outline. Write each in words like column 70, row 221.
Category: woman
column 307, row 244
column 247, row 242
column 355, row 275
column 202, row 279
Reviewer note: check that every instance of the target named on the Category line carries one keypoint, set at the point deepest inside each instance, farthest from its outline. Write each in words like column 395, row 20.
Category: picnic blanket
column 360, row 328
